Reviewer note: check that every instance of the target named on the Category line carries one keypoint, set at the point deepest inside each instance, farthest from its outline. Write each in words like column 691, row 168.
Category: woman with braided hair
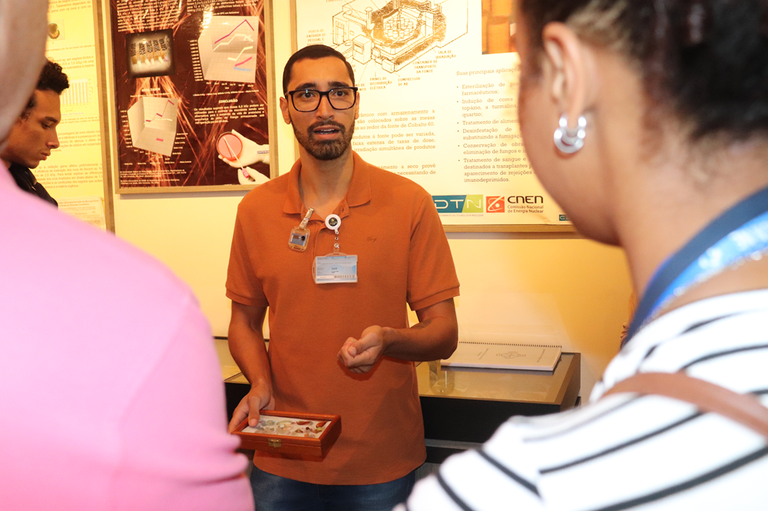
column 647, row 121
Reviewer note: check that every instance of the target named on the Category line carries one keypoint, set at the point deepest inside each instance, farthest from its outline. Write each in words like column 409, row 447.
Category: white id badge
column 335, row 269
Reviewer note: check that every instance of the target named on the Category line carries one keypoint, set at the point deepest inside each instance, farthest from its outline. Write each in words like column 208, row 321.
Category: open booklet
column 504, row 356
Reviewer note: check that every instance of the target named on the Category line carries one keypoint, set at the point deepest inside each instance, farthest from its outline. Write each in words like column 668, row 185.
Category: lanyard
column 738, row 233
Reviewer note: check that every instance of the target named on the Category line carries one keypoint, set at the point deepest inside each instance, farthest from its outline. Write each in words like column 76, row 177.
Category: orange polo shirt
column 392, row 226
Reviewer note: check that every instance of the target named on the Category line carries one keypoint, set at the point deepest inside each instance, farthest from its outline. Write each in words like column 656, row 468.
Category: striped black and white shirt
column 628, row 451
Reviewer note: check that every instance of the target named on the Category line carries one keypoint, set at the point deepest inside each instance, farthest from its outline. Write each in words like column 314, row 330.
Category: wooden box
column 290, row 433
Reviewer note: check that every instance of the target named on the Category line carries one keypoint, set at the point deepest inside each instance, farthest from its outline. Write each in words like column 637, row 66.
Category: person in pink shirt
column 111, row 395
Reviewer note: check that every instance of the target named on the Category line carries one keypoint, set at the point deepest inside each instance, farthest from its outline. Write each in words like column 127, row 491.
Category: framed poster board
column 191, row 94
column 74, row 174
column 438, row 84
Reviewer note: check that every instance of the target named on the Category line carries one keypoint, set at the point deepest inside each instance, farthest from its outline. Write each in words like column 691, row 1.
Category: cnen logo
column 494, row 204
column 458, row 203
column 525, row 199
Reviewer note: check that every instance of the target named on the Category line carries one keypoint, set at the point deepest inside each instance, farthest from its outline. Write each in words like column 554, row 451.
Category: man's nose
column 53, row 142
column 324, row 109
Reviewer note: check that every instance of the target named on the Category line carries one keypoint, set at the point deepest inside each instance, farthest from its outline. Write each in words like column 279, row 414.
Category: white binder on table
column 529, row 357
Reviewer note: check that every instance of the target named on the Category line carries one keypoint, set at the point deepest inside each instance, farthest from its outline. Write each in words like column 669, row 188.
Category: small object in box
column 290, row 433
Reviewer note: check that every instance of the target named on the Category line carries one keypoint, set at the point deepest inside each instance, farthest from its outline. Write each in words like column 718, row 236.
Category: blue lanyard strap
column 739, row 232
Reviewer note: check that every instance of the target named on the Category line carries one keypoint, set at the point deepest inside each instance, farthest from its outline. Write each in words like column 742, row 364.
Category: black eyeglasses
column 308, row 100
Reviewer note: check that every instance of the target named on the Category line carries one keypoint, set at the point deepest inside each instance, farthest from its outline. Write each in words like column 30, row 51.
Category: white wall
column 545, row 286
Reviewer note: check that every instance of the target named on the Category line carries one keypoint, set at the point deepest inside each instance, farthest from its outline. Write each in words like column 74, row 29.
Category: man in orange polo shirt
column 336, row 250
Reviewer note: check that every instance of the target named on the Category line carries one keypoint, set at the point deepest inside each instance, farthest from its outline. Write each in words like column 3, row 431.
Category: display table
column 463, row 407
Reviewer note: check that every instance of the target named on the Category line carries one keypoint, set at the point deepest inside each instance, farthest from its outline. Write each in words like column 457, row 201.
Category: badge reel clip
column 300, row 234
column 335, row 268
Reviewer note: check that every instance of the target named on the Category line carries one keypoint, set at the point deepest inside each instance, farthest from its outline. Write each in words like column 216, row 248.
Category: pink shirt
column 111, row 396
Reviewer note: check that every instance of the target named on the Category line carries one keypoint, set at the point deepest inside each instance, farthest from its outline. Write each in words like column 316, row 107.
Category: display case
column 290, row 433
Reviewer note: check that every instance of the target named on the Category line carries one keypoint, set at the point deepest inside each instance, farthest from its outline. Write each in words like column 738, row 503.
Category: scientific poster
column 191, row 94
column 74, row 173
column 438, row 85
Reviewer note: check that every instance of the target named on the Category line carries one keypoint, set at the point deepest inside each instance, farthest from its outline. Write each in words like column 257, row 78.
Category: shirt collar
column 359, row 192
column 6, row 179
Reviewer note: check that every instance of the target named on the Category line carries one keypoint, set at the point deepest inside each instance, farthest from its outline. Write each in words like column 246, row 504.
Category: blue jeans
column 275, row 493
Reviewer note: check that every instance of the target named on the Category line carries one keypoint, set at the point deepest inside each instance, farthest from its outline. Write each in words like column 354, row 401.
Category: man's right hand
column 256, row 400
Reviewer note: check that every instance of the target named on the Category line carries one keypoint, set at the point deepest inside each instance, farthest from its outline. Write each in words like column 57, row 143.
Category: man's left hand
column 360, row 355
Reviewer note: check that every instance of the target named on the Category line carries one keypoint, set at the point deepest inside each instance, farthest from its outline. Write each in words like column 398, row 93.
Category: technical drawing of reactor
column 398, row 33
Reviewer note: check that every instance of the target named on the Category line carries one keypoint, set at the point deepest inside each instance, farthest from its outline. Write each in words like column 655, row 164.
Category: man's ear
column 284, row 109
column 23, row 116
column 568, row 70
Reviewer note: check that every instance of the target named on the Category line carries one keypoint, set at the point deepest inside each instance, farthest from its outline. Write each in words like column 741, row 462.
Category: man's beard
column 327, row 149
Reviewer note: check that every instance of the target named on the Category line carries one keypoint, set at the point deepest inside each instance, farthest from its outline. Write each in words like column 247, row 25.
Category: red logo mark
column 494, row 204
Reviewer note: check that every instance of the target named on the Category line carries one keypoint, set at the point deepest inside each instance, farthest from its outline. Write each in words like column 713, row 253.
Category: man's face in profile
column 33, row 137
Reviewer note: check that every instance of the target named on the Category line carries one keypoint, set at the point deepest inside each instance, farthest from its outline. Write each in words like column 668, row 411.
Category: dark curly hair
column 52, row 77
column 706, row 61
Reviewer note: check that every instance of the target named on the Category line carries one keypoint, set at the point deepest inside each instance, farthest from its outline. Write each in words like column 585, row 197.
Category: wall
column 550, row 288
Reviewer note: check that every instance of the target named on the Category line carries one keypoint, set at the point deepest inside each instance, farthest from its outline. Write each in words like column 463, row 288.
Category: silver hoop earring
column 569, row 140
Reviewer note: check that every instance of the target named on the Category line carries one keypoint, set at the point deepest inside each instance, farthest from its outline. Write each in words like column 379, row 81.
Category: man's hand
column 257, row 399
column 433, row 337
column 360, row 355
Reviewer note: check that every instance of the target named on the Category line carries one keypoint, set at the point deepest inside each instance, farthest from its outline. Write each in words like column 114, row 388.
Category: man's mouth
column 326, row 130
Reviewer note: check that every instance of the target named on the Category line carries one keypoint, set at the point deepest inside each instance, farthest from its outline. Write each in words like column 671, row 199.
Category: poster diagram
column 240, row 152
column 438, row 82
column 228, row 49
column 150, row 53
column 152, row 123
column 171, row 120
column 398, row 33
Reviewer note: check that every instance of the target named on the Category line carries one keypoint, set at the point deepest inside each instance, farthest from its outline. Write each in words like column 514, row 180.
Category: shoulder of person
column 91, row 263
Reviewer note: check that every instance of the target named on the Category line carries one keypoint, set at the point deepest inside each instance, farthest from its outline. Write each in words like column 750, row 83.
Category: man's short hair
column 313, row 52
column 52, row 77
